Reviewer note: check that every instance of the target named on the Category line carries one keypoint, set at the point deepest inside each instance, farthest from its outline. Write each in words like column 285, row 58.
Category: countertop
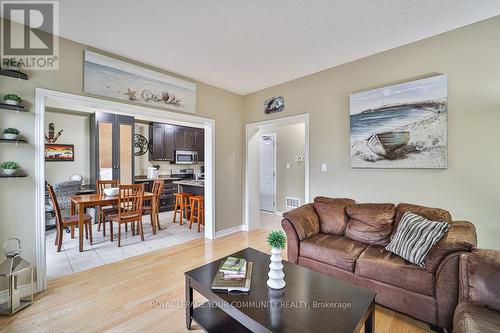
column 145, row 178
column 197, row 183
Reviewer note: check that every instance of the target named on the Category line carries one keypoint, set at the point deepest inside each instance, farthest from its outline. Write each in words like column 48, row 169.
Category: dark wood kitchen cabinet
column 185, row 138
column 162, row 142
column 200, row 144
column 111, row 147
column 165, row 139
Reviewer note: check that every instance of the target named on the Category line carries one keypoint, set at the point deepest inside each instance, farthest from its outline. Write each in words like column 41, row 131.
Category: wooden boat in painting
column 385, row 144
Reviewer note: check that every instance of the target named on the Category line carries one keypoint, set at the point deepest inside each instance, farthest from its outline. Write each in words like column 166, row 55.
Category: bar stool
column 182, row 204
column 197, row 206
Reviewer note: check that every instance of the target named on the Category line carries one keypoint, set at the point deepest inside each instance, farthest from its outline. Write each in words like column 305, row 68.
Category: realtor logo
column 29, row 35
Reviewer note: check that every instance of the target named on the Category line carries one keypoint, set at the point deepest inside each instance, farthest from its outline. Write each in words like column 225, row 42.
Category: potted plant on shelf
column 11, row 133
column 12, row 99
column 277, row 241
column 10, row 168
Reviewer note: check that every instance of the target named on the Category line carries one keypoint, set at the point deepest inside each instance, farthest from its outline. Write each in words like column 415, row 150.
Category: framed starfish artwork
column 109, row 77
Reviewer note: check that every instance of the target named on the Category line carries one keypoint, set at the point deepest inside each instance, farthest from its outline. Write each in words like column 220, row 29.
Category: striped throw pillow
column 415, row 236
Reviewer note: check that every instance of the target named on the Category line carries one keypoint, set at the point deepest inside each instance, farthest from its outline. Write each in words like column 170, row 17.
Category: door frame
column 57, row 99
column 251, row 211
column 273, row 135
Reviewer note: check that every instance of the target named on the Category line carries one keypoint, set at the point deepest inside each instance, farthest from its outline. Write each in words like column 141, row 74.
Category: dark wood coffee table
column 267, row 310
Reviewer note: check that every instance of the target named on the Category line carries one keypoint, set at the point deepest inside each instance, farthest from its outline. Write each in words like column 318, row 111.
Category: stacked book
column 234, row 274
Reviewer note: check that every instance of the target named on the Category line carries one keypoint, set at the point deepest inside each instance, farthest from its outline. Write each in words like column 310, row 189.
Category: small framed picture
column 59, row 153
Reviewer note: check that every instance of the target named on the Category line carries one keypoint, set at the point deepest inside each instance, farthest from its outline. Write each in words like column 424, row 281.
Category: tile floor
column 70, row 260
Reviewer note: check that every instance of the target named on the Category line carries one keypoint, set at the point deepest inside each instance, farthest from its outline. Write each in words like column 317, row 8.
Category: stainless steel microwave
column 186, row 157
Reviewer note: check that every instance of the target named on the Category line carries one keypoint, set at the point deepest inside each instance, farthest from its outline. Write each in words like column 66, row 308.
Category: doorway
column 59, row 100
column 267, row 174
column 290, row 184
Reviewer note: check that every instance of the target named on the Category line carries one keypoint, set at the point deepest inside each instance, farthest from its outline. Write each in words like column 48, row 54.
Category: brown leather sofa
column 346, row 240
column 478, row 308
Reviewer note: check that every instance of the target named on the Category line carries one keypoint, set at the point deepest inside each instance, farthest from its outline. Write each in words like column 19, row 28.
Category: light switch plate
column 324, row 167
column 288, row 165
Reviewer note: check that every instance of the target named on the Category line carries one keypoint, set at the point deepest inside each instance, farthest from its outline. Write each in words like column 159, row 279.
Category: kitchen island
column 196, row 187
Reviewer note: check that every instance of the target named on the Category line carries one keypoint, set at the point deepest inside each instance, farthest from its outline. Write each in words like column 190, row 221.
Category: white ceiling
column 244, row 46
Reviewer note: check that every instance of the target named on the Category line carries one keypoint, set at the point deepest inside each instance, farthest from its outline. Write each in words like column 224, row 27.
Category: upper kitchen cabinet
column 111, row 147
column 185, row 138
column 165, row 139
column 200, row 144
column 162, row 142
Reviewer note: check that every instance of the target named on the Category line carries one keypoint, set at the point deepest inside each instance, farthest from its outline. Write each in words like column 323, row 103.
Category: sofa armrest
column 463, row 278
column 292, row 241
column 460, row 237
column 483, row 272
column 304, row 220
column 446, row 289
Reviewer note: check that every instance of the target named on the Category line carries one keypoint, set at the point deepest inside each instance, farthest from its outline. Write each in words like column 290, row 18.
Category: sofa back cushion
column 433, row 214
column 332, row 214
column 483, row 272
column 370, row 223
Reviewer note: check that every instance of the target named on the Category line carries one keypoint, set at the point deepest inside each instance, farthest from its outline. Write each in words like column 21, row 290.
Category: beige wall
column 470, row 186
column 76, row 131
column 17, row 206
column 290, row 140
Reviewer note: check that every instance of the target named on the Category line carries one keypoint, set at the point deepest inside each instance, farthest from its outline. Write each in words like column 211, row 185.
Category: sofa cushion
column 338, row 251
column 370, row 223
column 332, row 214
column 472, row 318
column 415, row 236
column 484, row 282
column 433, row 214
column 378, row 264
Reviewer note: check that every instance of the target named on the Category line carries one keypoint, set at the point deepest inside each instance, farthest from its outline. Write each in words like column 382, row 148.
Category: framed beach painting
column 401, row 126
column 59, row 152
column 108, row 77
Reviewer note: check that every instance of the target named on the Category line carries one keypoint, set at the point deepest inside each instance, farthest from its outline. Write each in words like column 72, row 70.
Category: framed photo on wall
column 59, row 152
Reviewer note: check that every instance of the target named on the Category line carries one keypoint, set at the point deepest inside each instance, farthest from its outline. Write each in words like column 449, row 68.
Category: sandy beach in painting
column 110, row 78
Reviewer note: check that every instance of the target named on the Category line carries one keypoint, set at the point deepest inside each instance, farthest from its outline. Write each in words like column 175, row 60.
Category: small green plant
column 276, row 239
column 11, row 131
column 12, row 97
column 10, row 165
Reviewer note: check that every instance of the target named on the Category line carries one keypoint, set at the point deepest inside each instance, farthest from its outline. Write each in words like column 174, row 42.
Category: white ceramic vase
column 10, row 136
column 276, row 274
column 9, row 172
column 11, row 102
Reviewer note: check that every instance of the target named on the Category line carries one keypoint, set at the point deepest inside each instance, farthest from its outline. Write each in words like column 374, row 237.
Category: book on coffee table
column 232, row 265
column 223, row 284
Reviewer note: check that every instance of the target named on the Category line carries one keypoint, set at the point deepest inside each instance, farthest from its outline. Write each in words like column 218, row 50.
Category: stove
column 182, row 173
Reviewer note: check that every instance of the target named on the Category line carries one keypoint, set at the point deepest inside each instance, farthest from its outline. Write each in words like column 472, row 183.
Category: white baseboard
column 228, row 231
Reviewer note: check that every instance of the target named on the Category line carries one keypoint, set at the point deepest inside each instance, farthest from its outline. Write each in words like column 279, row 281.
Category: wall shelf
column 16, row 141
column 19, row 174
column 18, row 108
column 13, row 73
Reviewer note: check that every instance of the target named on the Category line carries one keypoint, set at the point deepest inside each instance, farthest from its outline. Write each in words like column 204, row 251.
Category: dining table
column 83, row 201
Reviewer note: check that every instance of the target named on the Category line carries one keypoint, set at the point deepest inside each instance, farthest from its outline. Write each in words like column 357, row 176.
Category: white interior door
column 267, row 174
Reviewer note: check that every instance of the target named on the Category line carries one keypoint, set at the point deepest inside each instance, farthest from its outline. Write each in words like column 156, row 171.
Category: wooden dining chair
column 103, row 213
column 130, row 203
column 67, row 221
column 153, row 211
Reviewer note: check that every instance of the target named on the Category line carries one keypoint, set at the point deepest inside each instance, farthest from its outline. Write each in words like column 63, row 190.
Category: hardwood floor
column 145, row 293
